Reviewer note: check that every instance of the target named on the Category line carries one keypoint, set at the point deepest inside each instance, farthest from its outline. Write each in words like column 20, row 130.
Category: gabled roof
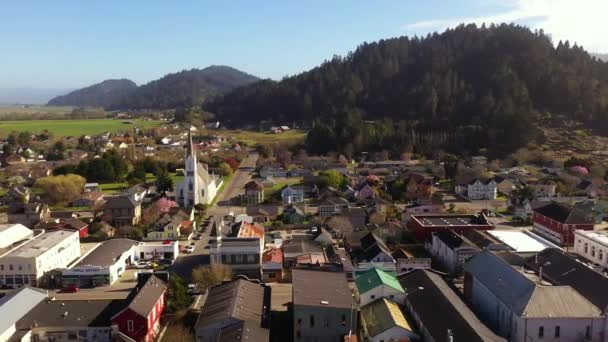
column 381, row 315
column 143, row 298
column 246, row 230
column 559, row 301
column 80, row 313
column 439, row 308
column 254, row 185
column 374, row 277
column 561, row 269
column 238, row 308
column 452, row 240
column 120, row 202
column 15, row 305
column 563, row 213
column 273, row 255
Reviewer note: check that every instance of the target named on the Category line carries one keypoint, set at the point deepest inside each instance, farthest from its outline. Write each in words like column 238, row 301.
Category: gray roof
column 322, row 289
column 509, row 285
column 15, row 305
column 559, row 301
column 301, row 246
column 120, row 202
column 107, row 252
column 143, row 298
column 80, row 313
column 238, row 306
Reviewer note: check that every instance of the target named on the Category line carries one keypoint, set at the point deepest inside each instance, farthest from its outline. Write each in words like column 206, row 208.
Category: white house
column 26, row 264
column 451, row 250
column 478, row 190
column 198, row 186
column 375, row 283
column 291, row 195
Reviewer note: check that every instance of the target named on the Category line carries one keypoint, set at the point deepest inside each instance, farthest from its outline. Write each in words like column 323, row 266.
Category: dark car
column 70, row 289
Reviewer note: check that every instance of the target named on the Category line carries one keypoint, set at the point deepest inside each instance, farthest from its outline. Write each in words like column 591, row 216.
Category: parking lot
column 119, row 290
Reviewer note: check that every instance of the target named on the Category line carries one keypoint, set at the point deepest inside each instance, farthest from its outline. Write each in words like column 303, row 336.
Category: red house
column 557, row 222
column 423, row 226
column 68, row 224
column 140, row 320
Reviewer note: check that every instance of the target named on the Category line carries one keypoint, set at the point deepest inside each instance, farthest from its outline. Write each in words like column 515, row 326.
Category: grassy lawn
column 113, row 188
column 74, row 127
column 251, row 138
column 271, row 191
column 64, row 208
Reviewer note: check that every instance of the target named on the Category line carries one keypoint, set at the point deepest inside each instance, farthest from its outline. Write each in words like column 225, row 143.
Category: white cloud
column 580, row 21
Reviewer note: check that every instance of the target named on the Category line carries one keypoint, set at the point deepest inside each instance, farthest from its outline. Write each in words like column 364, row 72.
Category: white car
column 189, row 249
column 142, row 264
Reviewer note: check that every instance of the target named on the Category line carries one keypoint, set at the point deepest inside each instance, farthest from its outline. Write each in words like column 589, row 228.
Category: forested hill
column 186, row 88
column 98, row 95
column 182, row 89
column 466, row 89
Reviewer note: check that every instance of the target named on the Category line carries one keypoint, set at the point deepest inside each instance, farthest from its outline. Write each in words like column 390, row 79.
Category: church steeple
column 190, row 148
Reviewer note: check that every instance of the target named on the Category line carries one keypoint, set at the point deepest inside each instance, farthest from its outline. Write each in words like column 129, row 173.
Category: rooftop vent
column 324, row 302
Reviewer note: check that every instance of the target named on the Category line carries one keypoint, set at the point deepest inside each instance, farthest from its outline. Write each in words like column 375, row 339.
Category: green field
column 74, row 127
column 251, row 138
column 35, row 110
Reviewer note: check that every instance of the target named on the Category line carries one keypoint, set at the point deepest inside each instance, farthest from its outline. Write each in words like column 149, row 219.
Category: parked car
column 189, row 249
column 142, row 264
column 70, row 289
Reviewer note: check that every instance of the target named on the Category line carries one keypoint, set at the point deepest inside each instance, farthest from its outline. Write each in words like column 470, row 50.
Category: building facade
column 557, row 222
column 27, row 264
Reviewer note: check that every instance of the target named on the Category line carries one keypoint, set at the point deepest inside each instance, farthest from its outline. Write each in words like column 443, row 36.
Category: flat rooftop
column 450, row 220
column 520, row 242
column 599, row 236
column 41, row 244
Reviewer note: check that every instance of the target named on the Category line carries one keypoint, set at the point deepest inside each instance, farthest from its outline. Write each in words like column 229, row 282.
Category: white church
column 198, row 186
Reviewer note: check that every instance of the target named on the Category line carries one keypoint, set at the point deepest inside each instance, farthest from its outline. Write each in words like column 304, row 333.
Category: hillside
column 468, row 90
column 98, row 95
column 182, row 89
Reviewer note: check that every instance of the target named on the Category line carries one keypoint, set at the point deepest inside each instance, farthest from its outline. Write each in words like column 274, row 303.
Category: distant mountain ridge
column 181, row 89
column 98, row 95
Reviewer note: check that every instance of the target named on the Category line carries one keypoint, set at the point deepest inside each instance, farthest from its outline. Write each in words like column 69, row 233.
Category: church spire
column 190, row 147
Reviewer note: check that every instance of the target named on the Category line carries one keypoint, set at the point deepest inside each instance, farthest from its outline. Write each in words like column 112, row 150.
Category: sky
column 63, row 44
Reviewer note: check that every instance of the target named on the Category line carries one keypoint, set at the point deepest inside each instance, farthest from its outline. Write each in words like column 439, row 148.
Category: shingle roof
column 563, row 213
column 374, row 277
column 238, row 307
column 143, row 298
column 318, row 288
column 381, row 315
column 561, row 269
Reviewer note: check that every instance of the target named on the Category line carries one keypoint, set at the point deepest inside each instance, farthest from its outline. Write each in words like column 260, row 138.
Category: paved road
column 185, row 263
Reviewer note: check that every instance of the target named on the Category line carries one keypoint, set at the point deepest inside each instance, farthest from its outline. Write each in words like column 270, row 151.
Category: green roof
column 374, row 277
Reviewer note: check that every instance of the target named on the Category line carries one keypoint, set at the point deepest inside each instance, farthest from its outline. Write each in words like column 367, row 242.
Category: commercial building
column 524, row 242
column 423, row 226
column 27, row 264
column 236, row 311
column 558, row 221
column 452, row 250
column 323, row 306
column 239, row 245
column 154, row 250
column 592, row 245
column 102, row 266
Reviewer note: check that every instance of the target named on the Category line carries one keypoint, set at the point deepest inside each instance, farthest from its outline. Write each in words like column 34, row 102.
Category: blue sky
column 69, row 44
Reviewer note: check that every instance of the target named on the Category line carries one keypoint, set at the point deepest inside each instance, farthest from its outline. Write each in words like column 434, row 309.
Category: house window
column 588, row 332
column 130, row 325
column 1, row 267
column 312, row 321
column 593, row 251
column 601, row 252
column 557, row 331
column 372, row 297
column 10, row 267
column 586, row 248
column 190, row 186
column 541, row 332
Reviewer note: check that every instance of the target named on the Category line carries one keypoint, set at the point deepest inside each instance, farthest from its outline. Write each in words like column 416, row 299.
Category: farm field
column 5, row 109
column 293, row 136
column 74, row 127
